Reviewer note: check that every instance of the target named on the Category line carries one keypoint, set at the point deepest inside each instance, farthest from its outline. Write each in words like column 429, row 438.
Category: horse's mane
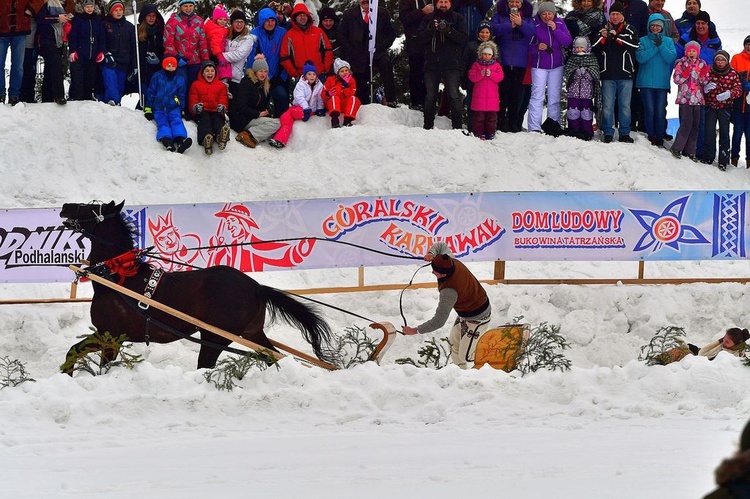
column 128, row 227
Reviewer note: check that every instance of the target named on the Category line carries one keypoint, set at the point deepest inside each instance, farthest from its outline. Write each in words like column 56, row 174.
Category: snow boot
column 735, row 161
column 246, row 138
column 208, row 144
column 348, row 121
column 335, row 120
column 223, row 137
column 276, row 143
column 183, row 144
column 168, row 144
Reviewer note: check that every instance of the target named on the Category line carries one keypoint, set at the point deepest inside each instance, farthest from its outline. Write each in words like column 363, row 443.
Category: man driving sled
column 462, row 292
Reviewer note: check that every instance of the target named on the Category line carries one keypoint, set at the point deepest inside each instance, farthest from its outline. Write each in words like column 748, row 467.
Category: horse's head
column 84, row 217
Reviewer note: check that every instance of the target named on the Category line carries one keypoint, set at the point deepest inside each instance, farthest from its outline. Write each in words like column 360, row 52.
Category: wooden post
column 361, row 276
column 499, row 270
column 641, row 269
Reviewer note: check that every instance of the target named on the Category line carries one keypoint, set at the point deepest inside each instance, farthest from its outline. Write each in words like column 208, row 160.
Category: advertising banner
column 391, row 230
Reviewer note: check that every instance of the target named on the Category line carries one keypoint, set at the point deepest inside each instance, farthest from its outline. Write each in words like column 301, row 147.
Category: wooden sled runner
column 501, row 346
column 389, row 331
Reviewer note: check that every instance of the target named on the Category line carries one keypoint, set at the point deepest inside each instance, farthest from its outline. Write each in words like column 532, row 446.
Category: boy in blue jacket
column 165, row 97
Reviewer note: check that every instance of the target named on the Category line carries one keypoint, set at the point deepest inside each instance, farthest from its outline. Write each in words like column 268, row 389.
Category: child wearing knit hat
column 164, row 100
column 308, row 99
column 722, row 88
column 217, row 29
column 691, row 75
column 581, row 78
column 339, row 94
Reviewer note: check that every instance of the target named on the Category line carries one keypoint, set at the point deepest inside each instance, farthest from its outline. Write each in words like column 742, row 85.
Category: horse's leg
column 254, row 332
column 208, row 355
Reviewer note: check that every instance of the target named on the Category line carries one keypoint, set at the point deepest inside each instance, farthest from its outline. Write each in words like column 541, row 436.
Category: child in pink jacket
column 690, row 75
column 486, row 74
column 217, row 29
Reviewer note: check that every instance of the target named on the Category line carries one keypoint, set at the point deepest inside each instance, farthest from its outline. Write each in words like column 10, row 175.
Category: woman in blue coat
column 656, row 54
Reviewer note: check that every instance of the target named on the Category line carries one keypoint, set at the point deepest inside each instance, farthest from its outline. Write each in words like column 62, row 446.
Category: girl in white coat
column 307, row 100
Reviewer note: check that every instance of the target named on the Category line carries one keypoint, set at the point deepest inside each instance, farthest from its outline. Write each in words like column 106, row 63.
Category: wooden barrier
column 498, row 278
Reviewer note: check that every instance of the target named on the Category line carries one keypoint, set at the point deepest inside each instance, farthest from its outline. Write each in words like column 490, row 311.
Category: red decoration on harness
column 125, row 265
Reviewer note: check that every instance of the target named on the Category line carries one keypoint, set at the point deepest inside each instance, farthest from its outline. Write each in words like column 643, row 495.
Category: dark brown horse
column 221, row 296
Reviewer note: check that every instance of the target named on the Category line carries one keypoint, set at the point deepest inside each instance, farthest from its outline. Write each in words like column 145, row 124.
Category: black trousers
column 209, row 124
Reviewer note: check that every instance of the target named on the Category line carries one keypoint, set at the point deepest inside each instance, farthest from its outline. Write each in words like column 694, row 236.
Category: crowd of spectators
column 605, row 65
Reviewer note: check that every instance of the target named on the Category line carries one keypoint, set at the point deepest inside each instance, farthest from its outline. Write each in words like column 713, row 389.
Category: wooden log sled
column 389, row 331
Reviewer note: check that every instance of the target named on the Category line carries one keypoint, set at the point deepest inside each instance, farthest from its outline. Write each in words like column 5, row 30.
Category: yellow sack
column 500, row 347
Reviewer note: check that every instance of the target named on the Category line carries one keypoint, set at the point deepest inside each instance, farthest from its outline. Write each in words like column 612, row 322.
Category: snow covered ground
column 611, row 427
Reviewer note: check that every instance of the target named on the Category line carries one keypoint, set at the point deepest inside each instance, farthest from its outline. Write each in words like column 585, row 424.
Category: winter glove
column 333, row 91
column 723, row 96
column 221, row 109
column 307, row 112
column 198, row 108
column 549, row 49
column 709, row 86
column 73, row 57
column 181, row 63
column 148, row 113
column 109, row 60
column 320, row 112
column 346, row 81
column 657, row 41
column 151, row 58
column 686, row 72
column 133, row 75
column 100, row 57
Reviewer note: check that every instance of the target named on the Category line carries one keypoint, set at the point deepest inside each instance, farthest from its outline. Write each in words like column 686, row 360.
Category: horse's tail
column 305, row 318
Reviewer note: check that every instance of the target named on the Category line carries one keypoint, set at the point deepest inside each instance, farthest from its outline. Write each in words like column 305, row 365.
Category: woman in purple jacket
column 513, row 28
column 547, row 64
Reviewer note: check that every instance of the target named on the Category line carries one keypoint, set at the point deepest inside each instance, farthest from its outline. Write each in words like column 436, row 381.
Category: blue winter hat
column 185, row 2
column 309, row 66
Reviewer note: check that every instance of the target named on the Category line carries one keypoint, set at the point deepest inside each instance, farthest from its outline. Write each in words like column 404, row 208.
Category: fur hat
column 238, row 14
column 487, row 47
column 722, row 53
column 546, row 7
column 738, row 335
column 169, row 60
column 185, row 2
column 703, row 16
column 219, row 13
column 340, row 63
column 309, row 66
column 442, row 264
column 260, row 64
column 616, row 7
column 692, row 44
column 115, row 4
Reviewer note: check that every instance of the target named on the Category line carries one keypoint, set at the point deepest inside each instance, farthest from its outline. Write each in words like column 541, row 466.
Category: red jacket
column 210, row 94
column 729, row 81
column 299, row 46
column 13, row 20
column 741, row 64
column 334, row 82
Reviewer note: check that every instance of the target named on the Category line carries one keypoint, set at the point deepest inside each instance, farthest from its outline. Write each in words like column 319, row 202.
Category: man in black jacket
column 443, row 37
column 354, row 40
column 411, row 13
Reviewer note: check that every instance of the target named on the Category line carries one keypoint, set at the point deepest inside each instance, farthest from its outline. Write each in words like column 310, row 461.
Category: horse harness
column 126, row 265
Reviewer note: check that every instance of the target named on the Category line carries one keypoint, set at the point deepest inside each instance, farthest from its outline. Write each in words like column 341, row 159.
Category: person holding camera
column 443, row 37
column 551, row 36
column 615, row 50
